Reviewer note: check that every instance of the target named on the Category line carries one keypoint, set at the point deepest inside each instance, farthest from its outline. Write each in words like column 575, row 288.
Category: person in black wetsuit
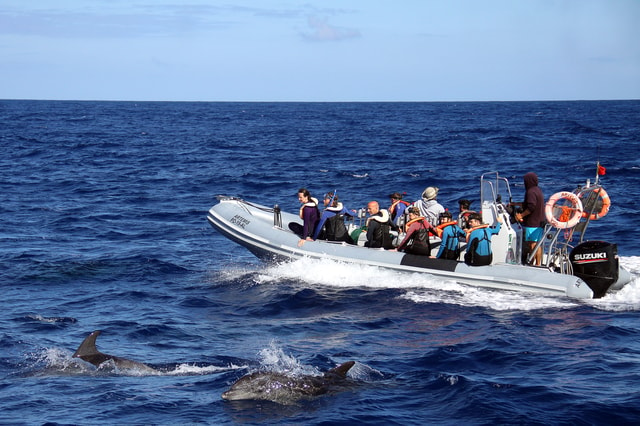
column 378, row 227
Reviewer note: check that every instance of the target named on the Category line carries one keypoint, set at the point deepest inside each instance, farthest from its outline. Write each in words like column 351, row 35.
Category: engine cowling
column 596, row 263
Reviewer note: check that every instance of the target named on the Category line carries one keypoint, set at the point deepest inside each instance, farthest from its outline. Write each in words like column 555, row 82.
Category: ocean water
column 103, row 212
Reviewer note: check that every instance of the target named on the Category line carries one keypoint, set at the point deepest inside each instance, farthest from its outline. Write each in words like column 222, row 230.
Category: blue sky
column 329, row 50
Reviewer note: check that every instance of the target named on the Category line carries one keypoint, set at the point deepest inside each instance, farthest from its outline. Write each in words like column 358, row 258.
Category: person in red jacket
column 416, row 240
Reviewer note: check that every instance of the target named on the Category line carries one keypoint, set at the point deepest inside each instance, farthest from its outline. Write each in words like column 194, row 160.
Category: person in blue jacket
column 479, row 241
column 451, row 234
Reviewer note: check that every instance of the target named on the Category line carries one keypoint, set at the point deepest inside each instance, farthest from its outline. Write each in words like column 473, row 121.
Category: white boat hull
column 252, row 226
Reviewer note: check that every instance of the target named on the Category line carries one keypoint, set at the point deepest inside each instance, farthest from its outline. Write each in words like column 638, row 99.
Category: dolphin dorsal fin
column 342, row 369
column 88, row 346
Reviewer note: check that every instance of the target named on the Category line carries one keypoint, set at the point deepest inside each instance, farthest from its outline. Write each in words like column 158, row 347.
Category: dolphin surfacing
column 284, row 389
column 87, row 351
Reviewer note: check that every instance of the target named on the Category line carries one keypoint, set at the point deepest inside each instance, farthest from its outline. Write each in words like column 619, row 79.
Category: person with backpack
column 479, row 241
column 416, row 240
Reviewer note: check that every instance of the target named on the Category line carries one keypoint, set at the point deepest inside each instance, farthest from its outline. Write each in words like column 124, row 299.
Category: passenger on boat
column 331, row 226
column 378, row 227
column 397, row 209
column 416, row 240
column 479, row 241
column 309, row 214
column 464, row 206
column 532, row 217
column 451, row 233
column 430, row 209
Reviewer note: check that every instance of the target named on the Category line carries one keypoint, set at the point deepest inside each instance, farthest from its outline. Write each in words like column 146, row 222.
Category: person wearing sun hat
column 429, row 207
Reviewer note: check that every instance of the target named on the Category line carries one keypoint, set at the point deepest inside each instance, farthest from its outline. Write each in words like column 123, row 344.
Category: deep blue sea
column 103, row 227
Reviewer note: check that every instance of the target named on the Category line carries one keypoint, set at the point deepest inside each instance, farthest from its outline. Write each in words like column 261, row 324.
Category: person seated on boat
column 309, row 214
column 331, row 226
column 450, row 233
column 464, row 207
column 532, row 218
column 378, row 227
column 416, row 240
column 429, row 207
column 397, row 209
column 479, row 241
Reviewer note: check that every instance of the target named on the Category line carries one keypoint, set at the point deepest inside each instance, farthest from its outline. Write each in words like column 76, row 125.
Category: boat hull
column 252, row 226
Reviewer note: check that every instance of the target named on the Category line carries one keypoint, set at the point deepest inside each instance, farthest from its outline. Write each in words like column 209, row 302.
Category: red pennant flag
column 601, row 170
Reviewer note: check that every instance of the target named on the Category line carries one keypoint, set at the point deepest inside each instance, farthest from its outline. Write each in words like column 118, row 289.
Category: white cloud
column 321, row 30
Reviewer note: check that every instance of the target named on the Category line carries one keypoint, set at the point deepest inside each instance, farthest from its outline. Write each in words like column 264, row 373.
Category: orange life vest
column 440, row 227
column 393, row 206
column 417, row 219
column 469, row 231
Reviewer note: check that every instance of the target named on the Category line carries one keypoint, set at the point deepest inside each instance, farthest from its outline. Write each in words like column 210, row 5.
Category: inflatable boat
column 572, row 266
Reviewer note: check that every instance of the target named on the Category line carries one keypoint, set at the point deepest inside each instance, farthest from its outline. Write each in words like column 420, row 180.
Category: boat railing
column 494, row 189
column 558, row 243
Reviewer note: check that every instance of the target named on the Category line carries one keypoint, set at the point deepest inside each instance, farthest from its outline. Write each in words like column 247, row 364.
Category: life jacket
column 419, row 243
column 417, row 219
column 382, row 233
column 448, row 253
column 470, row 230
column 312, row 203
column 441, row 227
column 394, row 206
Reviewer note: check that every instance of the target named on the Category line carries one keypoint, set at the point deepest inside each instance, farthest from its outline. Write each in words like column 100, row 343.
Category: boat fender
column 606, row 203
column 564, row 221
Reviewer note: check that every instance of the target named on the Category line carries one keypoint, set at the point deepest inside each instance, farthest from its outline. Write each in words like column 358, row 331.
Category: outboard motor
column 596, row 263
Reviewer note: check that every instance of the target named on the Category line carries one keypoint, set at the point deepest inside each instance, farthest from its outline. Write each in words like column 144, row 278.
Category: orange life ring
column 606, row 203
column 563, row 222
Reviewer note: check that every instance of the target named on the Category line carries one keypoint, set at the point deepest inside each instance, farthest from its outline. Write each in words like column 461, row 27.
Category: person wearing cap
column 429, row 207
column 397, row 208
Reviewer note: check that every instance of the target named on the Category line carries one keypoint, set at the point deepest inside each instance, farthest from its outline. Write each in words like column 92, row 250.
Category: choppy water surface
column 103, row 216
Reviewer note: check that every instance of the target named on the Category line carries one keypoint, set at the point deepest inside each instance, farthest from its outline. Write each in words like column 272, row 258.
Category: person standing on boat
column 331, row 226
column 479, row 241
column 451, row 233
column 397, row 209
column 532, row 217
column 378, row 227
column 309, row 214
column 429, row 207
column 416, row 240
